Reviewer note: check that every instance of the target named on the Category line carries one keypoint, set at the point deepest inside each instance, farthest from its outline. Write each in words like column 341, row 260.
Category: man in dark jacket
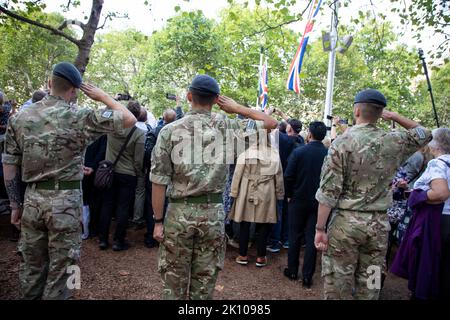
column 168, row 116
column 302, row 179
column 91, row 195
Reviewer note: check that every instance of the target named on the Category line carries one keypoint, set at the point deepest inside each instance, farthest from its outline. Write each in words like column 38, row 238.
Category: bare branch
column 38, row 24
column 110, row 16
column 269, row 27
column 69, row 2
column 66, row 23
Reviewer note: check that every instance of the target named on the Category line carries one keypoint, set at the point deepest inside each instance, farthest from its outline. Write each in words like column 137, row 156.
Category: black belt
column 207, row 198
column 56, row 185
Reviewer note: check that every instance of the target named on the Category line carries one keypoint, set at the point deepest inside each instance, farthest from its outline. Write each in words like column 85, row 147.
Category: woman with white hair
column 424, row 255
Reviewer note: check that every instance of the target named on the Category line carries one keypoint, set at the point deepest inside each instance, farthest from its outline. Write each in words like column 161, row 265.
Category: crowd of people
column 287, row 188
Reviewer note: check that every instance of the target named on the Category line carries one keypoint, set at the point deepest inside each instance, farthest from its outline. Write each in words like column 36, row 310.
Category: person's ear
column 49, row 84
column 216, row 100
column 189, row 96
column 357, row 111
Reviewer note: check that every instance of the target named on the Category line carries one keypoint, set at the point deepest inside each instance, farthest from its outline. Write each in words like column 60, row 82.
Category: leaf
column 124, row 273
column 219, row 288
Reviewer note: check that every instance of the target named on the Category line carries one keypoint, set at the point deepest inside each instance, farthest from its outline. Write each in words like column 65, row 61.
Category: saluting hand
column 388, row 115
column 93, row 92
column 228, row 105
column 321, row 241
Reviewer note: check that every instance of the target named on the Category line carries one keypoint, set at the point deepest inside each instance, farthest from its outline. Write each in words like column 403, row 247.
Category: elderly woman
column 424, row 255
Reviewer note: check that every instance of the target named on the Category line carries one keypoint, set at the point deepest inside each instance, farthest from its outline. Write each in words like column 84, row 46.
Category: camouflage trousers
column 50, row 242
column 193, row 250
column 356, row 255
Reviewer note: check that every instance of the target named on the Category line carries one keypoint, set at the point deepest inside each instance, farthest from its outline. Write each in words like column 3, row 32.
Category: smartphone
column 171, row 96
column 342, row 121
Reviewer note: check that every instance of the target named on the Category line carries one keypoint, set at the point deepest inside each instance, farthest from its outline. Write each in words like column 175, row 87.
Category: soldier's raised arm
column 99, row 95
column 414, row 138
column 230, row 106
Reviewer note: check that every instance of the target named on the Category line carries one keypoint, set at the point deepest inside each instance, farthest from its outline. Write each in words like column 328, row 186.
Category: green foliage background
column 147, row 67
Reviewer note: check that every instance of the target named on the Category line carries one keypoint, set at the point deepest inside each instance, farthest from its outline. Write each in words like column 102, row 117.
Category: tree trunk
column 89, row 30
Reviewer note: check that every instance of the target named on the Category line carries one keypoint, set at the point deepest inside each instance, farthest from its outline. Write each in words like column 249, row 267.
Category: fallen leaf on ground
column 219, row 288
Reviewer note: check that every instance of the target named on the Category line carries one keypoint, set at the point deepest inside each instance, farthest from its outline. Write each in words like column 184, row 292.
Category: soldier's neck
column 362, row 121
column 67, row 97
column 201, row 108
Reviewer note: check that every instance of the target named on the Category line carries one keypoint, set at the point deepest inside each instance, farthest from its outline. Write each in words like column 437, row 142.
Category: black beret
column 371, row 96
column 204, row 84
column 69, row 72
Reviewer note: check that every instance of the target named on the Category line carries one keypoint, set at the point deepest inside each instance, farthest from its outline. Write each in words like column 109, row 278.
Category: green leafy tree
column 20, row 12
column 187, row 46
column 117, row 61
column 440, row 81
column 27, row 55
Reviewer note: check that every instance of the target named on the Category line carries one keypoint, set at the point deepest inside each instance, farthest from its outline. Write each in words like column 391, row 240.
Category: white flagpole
column 259, row 77
column 267, row 77
column 331, row 66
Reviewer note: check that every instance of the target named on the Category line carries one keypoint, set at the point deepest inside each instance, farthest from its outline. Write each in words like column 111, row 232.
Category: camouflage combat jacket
column 361, row 163
column 48, row 140
column 191, row 154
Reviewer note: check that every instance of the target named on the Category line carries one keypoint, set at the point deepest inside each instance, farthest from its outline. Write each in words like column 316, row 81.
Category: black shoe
column 120, row 246
column 307, row 283
column 103, row 245
column 289, row 275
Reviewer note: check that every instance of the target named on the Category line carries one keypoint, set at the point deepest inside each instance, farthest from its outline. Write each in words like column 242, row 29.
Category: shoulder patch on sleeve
column 420, row 132
column 107, row 114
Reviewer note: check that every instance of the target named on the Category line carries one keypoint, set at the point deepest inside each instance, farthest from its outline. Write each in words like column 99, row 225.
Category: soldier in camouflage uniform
column 355, row 185
column 44, row 147
column 192, row 238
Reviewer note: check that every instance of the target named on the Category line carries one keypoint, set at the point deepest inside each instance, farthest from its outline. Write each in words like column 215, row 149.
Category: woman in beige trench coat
column 256, row 186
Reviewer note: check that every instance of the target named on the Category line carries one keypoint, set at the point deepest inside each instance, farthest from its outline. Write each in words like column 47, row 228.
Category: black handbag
column 105, row 171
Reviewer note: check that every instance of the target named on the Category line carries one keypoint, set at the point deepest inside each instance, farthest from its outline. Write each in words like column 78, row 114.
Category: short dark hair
column 296, row 125
column 135, row 108
column 61, row 85
column 142, row 115
column 202, row 98
column 318, row 130
column 370, row 111
column 38, row 95
column 282, row 126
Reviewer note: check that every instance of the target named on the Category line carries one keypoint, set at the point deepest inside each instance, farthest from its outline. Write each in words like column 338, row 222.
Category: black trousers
column 116, row 201
column 262, row 231
column 445, row 262
column 92, row 197
column 302, row 223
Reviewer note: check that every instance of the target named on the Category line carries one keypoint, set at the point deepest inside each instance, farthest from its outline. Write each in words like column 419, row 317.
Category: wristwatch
column 158, row 220
column 322, row 229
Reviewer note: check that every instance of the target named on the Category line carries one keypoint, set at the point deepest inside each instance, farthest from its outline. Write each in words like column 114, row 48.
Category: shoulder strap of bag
column 448, row 164
column 124, row 145
column 420, row 171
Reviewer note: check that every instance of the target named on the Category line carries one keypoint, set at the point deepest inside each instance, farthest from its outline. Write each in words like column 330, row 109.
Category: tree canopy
column 149, row 66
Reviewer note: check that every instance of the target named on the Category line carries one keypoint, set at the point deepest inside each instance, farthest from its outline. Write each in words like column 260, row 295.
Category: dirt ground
column 133, row 274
